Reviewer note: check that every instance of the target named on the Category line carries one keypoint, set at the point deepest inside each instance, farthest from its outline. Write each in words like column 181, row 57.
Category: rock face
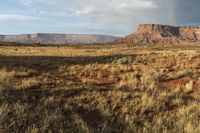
column 45, row 38
column 155, row 33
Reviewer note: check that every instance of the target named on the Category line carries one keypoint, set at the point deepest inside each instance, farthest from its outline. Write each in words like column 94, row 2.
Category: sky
column 108, row 17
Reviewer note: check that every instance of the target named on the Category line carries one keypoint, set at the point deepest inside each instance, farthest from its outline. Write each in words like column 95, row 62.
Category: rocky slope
column 155, row 33
column 44, row 38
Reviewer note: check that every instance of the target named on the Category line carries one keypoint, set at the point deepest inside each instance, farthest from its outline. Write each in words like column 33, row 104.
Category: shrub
column 123, row 60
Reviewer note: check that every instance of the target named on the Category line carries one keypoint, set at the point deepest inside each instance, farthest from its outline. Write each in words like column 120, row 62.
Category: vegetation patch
column 108, row 88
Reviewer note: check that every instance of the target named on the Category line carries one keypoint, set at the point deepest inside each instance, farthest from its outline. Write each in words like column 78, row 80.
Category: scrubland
column 94, row 88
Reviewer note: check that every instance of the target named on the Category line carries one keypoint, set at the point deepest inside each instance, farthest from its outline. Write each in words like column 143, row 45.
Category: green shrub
column 123, row 60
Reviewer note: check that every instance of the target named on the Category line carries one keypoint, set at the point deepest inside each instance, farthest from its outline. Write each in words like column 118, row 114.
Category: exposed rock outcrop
column 45, row 38
column 155, row 33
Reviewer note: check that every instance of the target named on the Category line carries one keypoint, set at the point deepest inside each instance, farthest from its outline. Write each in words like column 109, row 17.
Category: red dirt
column 173, row 84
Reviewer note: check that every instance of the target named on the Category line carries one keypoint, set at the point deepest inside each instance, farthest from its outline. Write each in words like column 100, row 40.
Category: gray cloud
column 123, row 16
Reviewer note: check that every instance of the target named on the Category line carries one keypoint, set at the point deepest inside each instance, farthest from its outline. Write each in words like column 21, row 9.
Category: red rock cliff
column 155, row 33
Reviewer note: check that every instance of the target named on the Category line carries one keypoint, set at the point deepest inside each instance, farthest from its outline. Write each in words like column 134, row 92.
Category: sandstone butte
column 155, row 33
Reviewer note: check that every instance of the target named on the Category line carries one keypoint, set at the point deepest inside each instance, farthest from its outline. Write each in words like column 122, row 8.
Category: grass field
column 94, row 88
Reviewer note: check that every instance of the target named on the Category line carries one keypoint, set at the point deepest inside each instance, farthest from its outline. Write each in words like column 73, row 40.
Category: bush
column 123, row 60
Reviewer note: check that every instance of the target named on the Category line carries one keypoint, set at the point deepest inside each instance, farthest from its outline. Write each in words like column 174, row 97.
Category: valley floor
column 88, row 88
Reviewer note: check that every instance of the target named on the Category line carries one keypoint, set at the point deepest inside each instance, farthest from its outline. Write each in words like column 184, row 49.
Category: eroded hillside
column 163, row 34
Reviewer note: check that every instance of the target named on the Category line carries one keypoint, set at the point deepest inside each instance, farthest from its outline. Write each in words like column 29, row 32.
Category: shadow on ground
column 42, row 63
column 35, row 107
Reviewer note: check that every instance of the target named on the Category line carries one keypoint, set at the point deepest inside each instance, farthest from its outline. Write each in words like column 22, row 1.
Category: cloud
column 48, row 12
column 18, row 17
column 26, row 2
column 119, row 15
column 133, row 4
column 85, row 10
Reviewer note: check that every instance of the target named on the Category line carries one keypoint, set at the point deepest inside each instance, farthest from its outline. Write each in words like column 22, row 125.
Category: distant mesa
column 146, row 34
column 155, row 33
column 46, row 38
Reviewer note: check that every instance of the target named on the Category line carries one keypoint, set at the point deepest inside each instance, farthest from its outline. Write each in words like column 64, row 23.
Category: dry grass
column 117, row 88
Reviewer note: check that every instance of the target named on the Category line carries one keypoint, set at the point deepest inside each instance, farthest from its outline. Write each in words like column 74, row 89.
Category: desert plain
column 100, row 88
